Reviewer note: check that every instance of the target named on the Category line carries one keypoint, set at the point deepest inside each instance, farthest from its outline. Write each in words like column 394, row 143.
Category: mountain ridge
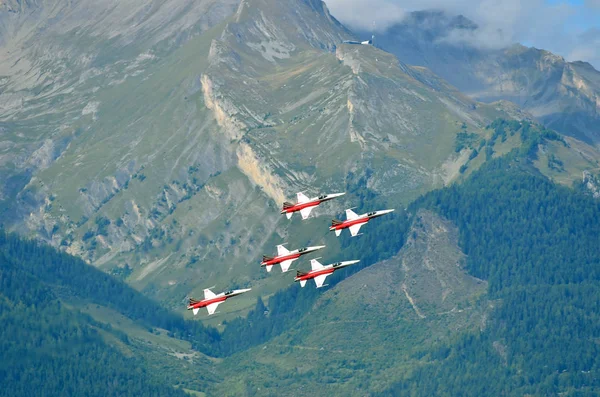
column 562, row 95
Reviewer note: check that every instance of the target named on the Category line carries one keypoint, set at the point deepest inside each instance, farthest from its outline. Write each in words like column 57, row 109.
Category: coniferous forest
column 538, row 245
column 50, row 350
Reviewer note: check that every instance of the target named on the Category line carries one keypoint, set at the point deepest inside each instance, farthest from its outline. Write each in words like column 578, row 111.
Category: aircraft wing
column 315, row 264
column 305, row 212
column 285, row 265
column 302, row 198
column 208, row 294
column 319, row 280
column 351, row 215
column 281, row 250
column 355, row 228
column 212, row 307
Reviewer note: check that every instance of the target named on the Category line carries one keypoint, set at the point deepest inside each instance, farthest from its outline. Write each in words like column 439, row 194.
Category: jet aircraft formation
column 285, row 257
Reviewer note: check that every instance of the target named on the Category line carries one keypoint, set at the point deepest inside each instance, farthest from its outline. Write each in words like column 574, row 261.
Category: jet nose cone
column 316, row 247
column 334, row 195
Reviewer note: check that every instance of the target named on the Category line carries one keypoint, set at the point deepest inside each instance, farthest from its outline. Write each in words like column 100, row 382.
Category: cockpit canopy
column 302, row 250
column 321, row 197
column 371, row 213
column 337, row 264
column 229, row 292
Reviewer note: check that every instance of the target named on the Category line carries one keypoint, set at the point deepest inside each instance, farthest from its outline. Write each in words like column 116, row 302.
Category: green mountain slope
column 368, row 329
column 49, row 347
column 421, row 318
column 536, row 244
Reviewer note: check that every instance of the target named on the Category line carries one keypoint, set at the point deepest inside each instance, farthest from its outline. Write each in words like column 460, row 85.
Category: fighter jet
column 305, row 205
column 366, row 42
column 212, row 300
column 354, row 221
column 319, row 272
column 285, row 257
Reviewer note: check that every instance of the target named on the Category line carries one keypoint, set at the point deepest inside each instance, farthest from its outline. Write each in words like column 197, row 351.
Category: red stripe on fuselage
column 280, row 259
column 207, row 302
column 347, row 224
column 315, row 273
column 298, row 207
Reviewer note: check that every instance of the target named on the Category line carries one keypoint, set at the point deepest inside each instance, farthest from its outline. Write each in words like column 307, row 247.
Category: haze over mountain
column 157, row 141
column 563, row 95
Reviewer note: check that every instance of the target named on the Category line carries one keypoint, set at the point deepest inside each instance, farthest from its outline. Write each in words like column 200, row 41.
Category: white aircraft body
column 354, row 222
column 319, row 272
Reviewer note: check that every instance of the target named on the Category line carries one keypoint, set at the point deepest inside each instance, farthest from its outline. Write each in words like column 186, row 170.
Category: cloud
column 554, row 26
column 587, row 48
column 360, row 14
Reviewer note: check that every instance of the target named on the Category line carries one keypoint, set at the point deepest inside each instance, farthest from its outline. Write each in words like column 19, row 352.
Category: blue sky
column 570, row 28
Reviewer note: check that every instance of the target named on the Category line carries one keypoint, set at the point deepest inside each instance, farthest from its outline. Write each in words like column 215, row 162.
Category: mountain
column 162, row 152
column 156, row 142
column 562, row 95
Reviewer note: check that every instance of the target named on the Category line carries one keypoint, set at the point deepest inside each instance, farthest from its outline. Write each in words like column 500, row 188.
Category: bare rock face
column 428, row 274
column 435, row 278
column 592, row 183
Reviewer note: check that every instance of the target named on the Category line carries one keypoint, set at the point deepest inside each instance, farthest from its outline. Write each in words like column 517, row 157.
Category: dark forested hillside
column 538, row 245
column 75, row 279
column 48, row 349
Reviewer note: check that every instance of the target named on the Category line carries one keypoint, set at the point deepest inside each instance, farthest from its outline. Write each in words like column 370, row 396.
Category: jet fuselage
column 325, row 270
column 292, row 255
column 223, row 296
column 289, row 208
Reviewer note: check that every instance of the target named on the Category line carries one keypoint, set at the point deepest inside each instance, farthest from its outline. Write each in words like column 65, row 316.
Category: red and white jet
column 354, row 221
column 319, row 272
column 212, row 300
column 305, row 204
column 285, row 257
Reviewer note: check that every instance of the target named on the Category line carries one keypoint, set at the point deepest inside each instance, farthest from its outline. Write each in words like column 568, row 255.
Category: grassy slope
column 365, row 331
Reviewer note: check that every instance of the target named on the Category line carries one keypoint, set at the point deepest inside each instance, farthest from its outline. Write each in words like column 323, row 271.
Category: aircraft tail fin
column 267, row 258
column 287, row 205
column 335, row 222
column 299, row 273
